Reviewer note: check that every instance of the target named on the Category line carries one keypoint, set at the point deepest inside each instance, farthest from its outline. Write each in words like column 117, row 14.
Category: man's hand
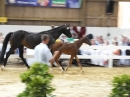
column 52, row 60
column 54, row 56
column 56, row 53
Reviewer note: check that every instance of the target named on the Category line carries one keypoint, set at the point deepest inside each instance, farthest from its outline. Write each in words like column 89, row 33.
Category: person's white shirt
column 42, row 54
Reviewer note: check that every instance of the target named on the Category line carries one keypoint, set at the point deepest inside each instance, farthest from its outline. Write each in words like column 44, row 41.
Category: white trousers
column 30, row 61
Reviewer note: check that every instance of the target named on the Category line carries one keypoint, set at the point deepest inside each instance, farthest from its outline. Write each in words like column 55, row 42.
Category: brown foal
column 70, row 49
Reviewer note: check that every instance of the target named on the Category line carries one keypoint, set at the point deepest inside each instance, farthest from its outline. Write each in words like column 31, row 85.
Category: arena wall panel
column 91, row 14
column 96, row 31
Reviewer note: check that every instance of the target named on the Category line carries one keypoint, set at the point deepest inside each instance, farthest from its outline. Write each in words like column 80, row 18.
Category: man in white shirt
column 42, row 53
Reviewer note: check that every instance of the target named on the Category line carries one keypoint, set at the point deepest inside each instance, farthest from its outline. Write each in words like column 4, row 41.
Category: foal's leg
column 11, row 51
column 21, row 56
column 80, row 66
column 71, row 59
column 57, row 61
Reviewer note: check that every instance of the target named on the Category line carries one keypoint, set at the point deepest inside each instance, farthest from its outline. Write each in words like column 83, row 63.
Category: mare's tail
column 6, row 40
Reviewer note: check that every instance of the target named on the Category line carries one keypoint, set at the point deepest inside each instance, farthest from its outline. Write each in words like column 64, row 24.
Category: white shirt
column 42, row 54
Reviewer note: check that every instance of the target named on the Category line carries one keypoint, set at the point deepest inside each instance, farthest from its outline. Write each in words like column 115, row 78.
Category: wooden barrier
column 110, row 57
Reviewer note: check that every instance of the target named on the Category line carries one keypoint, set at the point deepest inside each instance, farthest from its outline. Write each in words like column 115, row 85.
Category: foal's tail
column 6, row 40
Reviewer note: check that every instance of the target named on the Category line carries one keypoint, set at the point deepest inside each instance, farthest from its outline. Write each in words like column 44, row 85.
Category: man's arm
column 54, row 56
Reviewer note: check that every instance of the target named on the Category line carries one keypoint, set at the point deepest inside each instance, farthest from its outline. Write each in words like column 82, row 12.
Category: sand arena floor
column 95, row 82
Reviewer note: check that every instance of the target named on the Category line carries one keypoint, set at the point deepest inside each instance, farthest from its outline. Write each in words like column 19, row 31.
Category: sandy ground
column 95, row 82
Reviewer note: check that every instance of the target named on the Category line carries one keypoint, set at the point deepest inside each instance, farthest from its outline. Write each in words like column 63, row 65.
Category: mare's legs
column 71, row 59
column 21, row 56
column 11, row 51
column 78, row 61
column 57, row 61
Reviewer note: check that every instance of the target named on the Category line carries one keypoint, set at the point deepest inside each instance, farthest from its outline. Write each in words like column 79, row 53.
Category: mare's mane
column 42, row 32
column 51, row 29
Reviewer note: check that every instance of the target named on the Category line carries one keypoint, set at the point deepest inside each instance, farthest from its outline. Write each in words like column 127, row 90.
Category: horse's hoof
column 2, row 68
column 82, row 71
column 51, row 70
column 66, row 69
column 62, row 72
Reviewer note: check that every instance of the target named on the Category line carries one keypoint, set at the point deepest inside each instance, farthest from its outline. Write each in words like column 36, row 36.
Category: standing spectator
column 81, row 32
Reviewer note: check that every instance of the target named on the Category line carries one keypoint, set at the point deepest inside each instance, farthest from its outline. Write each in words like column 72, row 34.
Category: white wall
column 96, row 31
column 11, row 28
column 103, row 31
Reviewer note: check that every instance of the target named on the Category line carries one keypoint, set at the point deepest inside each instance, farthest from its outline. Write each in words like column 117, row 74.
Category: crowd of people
column 100, row 41
column 116, row 41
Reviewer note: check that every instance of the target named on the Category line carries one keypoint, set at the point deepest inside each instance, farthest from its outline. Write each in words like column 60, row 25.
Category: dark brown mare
column 70, row 49
column 21, row 38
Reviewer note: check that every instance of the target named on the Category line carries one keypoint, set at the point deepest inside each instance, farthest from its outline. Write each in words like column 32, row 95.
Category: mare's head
column 86, row 40
column 67, row 31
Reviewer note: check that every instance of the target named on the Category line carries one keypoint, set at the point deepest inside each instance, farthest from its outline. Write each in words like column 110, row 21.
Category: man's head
column 45, row 38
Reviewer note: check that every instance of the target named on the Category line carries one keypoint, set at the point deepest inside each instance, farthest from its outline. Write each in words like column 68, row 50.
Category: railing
column 110, row 57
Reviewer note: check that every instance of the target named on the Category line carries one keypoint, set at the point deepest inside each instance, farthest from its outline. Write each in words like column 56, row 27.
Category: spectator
column 106, row 43
column 124, row 41
column 63, row 38
column 52, row 26
column 90, row 36
column 74, row 34
column 101, row 40
column 1, row 37
column 128, row 42
column 97, row 40
column 93, row 42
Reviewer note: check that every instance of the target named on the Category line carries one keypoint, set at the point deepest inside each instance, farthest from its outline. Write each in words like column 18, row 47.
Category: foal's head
column 86, row 40
column 67, row 31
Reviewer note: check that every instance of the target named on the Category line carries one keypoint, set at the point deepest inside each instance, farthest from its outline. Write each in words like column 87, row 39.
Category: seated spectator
column 124, row 42
column 63, row 38
column 93, row 42
column 106, row 43
column 128, row 42
column 101, row 40
column 97, row 40
column 1, row 37
column 52, row 26
column 116, row 51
